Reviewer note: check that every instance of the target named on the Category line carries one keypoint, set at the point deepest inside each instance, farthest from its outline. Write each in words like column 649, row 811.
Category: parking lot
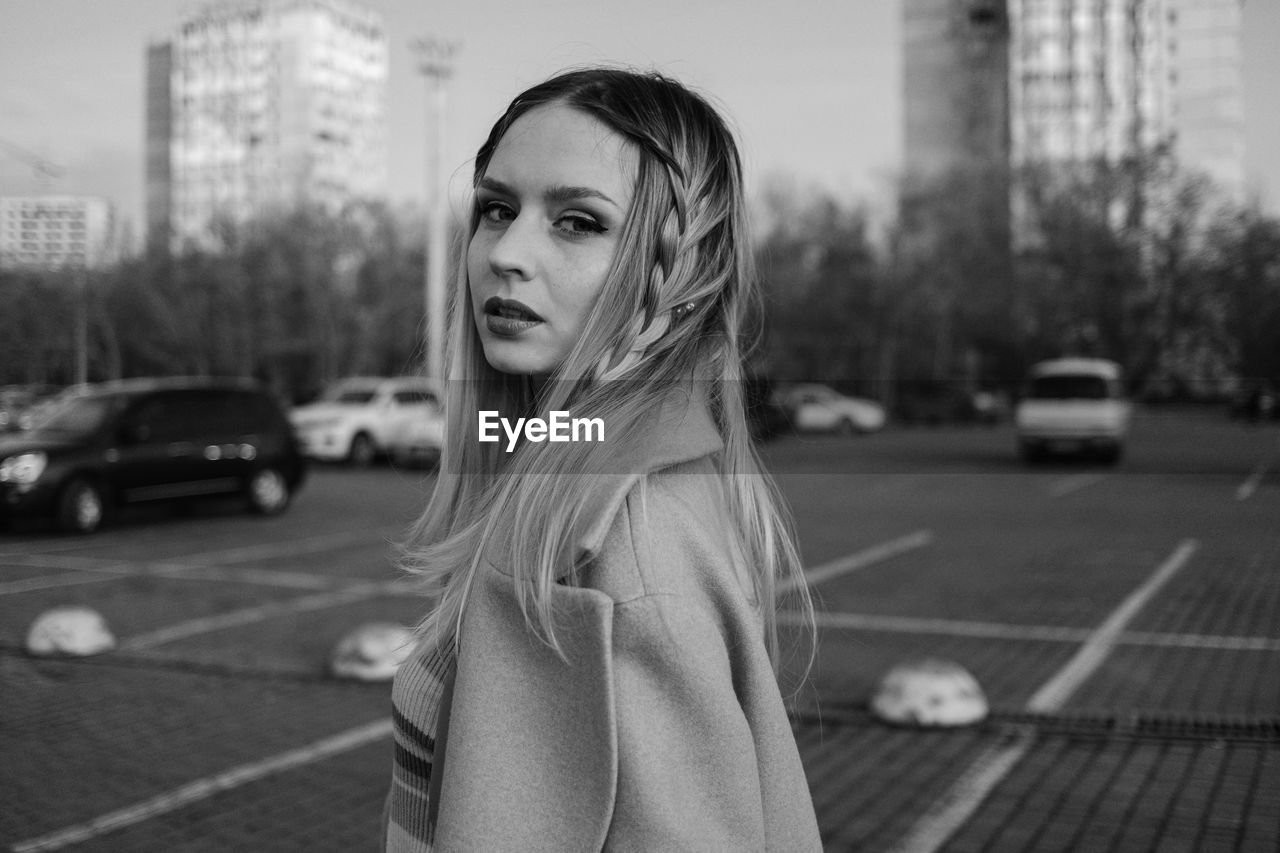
column 1123, row 622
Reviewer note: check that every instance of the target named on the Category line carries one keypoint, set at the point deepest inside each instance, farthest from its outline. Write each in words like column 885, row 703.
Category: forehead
column 556, row 144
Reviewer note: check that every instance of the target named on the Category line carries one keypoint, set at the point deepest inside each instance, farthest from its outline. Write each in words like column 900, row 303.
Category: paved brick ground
column 1084, row 785
column 1121, row 794
column 83, row 738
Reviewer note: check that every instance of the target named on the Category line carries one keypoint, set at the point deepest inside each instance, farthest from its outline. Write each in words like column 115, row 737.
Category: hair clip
column 680, row 310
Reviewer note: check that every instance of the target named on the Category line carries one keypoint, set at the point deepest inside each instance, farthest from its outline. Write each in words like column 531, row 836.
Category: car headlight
column 25, row 468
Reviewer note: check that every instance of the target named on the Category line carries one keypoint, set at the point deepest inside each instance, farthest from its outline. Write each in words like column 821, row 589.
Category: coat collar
column 682, row 431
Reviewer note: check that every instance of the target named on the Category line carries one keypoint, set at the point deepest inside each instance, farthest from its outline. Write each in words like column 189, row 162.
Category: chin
column 515, row 359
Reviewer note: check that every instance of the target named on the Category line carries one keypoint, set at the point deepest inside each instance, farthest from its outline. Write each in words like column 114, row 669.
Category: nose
column 512, row 250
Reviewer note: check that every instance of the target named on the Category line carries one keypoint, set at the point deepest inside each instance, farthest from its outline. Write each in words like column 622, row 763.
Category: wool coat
column 662, row 728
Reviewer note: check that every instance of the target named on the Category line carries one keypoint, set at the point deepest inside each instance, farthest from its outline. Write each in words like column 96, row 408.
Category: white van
column 1073, row 406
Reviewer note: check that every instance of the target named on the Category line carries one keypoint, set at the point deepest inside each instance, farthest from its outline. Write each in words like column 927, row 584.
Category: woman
column 596, row 672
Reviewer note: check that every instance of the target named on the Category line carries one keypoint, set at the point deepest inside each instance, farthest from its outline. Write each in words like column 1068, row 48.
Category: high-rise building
column 1209, row 91
column 1090, row 80
column 159, row 157
column 271, row 104
column 956, row 105
column 50, row 232
column 1073, row 81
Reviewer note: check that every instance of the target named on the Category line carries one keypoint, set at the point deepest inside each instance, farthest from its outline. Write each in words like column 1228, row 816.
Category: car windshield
column 1069, row 387
column 350, row 396
column 77, row 415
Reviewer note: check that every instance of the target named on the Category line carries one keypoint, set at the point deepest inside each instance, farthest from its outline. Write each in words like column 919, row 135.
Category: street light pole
column 82, row 324
column 434, row 57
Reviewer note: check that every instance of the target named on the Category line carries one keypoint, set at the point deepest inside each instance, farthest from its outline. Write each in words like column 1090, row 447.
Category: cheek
column 590, row 287
column 477, row 254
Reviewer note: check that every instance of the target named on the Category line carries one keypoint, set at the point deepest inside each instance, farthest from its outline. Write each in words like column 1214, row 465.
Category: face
column 552, row 204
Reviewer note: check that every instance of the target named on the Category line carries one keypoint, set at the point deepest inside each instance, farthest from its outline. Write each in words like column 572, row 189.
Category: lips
column 508, row 318
column 510, row 309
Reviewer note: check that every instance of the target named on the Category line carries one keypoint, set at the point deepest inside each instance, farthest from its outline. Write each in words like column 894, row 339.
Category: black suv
column 150, row 439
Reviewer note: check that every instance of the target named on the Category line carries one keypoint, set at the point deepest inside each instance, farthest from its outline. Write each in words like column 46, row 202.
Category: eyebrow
column 559, row 194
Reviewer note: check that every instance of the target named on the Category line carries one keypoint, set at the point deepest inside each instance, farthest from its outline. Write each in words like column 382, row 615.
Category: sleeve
column 688, row 778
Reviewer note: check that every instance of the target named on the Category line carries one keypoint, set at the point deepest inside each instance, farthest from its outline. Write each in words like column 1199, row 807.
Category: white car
column 417, row 441
column 817, row 408
column 354, row 419
column 1073, row 406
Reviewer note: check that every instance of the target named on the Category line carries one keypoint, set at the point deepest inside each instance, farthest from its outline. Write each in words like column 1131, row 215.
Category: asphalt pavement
column 1124, row 624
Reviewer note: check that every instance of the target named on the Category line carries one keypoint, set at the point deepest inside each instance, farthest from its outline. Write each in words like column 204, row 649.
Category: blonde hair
column 684, row 242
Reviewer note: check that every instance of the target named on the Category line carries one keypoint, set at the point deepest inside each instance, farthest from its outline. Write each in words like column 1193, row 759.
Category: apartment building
column 955, row 76
column 1209, row 91
column 51, row 232
column 263, row 105
column 1090, row 79
column 1073, row 81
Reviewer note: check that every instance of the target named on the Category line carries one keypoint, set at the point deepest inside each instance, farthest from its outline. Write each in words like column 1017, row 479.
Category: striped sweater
column 416, row 698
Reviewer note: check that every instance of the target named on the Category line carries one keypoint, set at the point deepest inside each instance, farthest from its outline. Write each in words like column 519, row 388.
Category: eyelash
column 491, row 209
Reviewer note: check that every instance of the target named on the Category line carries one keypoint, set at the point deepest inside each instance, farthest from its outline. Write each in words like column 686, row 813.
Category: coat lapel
column 532, row 757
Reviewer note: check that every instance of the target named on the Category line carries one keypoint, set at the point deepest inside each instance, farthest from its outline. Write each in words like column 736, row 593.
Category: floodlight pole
column 434, row 57
column 82, row 324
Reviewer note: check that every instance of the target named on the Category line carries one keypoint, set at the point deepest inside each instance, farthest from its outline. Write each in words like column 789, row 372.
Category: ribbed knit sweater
column 416, row 704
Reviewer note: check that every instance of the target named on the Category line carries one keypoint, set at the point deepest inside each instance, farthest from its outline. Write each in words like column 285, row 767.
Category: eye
column 579, row 225
column 496, row 212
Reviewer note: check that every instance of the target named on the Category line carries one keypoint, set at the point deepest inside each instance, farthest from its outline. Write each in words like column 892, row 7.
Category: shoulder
column 672, row 540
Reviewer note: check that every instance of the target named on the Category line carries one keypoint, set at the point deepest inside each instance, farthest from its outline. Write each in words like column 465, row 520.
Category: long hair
column 684, row 242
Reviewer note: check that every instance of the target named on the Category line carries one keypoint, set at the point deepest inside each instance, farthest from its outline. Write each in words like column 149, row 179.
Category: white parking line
column 71, row 562
column 286, row 548
column 249, row 615
column 1054, row 693
column 77, row 570
column 1249, row 486
column 261, row 577
column 953, row 809
column 944, row 627
column 51, row 546
column 206, row 565
column 52, row 582
column 862, row 559
column 966, row 794
column 1026, row 633
column 202, row 789
column 1067, row 485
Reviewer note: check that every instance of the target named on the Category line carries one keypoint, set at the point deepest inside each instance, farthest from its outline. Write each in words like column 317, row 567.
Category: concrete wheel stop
column 69, row 632
column 372, row 652
column 929, row 693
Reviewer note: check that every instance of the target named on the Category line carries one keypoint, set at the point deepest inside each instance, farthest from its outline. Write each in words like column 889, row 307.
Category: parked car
column 355, row 418
column 417, row 440
column 1073, row 406
column 150, row 440
column 935, row 402
column 18, row 402
column 818, row 408
column 1255, row 401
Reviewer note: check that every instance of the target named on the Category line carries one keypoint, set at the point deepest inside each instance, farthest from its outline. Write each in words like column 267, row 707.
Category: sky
column 813, row 87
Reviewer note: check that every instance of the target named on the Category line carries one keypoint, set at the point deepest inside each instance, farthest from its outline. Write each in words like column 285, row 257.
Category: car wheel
column 1110, row 455
column 268, row 492
column 1032, row 454
column 848, row 427
column 362, row 451
column 82, row 507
